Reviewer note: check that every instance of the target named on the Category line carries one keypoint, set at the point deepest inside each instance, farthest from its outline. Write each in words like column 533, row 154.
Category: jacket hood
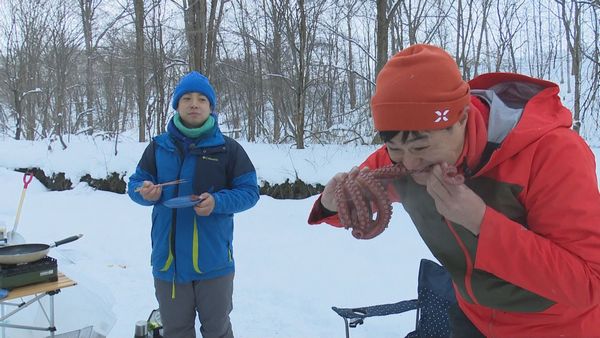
column 522, row 110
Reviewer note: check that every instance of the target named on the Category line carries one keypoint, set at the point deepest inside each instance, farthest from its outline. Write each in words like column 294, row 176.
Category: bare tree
column 139, row 68
column 486, row 6
column 509, row 24
column 302, row 73
column 572, row 24
column 383, row 24
column 275, row 10
column 88, row 10
column 25, row 37
column 163, row 60
column 250, row 80
column 201, row 27
column 465, row 30
column 14, row 69
column 591, row 103
column 415, row 18
column 350, row 7
column 64, row 49
column 87, row 16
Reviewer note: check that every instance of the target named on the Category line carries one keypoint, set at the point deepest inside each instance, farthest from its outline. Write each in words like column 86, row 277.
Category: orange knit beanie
column 419, row 88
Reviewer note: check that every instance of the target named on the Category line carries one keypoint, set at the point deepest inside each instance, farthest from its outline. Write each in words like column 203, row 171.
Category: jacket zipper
column 174, row 218
column 468, row 263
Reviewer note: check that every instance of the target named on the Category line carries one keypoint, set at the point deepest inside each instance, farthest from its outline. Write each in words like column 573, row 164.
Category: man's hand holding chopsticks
column 150, row 191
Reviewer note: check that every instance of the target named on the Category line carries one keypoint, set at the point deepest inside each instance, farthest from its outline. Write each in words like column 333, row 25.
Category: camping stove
column 40, row 271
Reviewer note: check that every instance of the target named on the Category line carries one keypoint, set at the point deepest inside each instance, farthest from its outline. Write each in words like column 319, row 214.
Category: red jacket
column 534, row 269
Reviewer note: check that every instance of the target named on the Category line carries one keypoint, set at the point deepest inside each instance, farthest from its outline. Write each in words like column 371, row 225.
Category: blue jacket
column 185, row 246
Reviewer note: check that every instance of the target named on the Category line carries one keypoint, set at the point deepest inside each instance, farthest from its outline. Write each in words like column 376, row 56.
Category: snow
column 288, row 273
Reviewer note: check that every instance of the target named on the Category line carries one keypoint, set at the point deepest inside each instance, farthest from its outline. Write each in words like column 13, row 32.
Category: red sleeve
column 317, row 215
column 558, row 254
column 377, row 159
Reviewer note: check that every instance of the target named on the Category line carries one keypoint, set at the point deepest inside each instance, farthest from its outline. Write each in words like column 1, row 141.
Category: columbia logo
column 442, row 116
column 210, row 158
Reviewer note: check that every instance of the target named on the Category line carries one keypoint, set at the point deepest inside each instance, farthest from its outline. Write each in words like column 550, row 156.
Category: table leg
column 3, row 328
column 52, row 314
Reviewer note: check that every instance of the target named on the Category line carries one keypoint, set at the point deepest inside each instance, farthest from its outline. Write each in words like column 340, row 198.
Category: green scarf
column 194, row 132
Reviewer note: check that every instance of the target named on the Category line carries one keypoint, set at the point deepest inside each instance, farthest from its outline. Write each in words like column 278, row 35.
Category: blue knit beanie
column 194, row 82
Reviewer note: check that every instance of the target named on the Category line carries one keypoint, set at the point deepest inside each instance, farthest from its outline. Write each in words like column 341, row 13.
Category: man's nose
column 411, row 162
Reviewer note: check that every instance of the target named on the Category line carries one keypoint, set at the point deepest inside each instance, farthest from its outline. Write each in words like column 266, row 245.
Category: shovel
column 13, row 236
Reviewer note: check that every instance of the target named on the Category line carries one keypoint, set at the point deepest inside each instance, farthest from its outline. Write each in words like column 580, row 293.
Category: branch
column 355, row 73
column 33, row 91
column 352, row 41
column 110, row 25
column 393, row 9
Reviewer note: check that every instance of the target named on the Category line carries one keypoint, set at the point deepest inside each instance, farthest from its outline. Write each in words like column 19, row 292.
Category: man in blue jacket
column 192, row 252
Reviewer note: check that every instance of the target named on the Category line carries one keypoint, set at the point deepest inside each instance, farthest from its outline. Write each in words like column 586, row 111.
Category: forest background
column 296, row 72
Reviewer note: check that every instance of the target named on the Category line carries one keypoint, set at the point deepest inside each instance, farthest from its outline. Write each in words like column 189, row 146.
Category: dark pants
column 211, row 299
column 460, row 325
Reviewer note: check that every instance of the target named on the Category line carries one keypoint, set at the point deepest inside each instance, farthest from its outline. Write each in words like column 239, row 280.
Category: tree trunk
column 301, row 91
column 484, row 24
column 19, row 114
column 87, row 18
column 573, row 37
column 577, row 68
column 382, row 35
column 139, row 68
column 195, row 29
column 351, row 76
column 276, row 82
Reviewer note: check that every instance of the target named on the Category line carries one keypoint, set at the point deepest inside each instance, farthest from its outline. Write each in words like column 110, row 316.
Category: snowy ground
column 288, row 274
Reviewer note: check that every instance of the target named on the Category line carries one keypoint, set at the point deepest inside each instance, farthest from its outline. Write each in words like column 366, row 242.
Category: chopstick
column 163, row 184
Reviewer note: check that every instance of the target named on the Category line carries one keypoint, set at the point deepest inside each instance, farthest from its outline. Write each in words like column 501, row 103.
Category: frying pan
column 25, row 253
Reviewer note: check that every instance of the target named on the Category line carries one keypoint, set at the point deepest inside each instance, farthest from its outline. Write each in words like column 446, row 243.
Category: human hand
column 150, row 191
column 207, row 205
column 363, row 202
column 453, row 199
column 328, row 199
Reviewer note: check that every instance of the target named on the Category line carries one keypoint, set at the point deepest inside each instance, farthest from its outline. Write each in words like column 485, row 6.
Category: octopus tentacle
column 362, row 194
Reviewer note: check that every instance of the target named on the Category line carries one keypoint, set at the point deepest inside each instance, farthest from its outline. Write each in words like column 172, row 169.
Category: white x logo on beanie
column 441, row 116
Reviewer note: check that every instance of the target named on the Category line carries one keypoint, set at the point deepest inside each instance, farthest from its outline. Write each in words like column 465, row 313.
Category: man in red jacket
column 521, row 236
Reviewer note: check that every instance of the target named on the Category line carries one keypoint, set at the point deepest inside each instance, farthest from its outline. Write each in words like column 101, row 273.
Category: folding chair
column 435, row 296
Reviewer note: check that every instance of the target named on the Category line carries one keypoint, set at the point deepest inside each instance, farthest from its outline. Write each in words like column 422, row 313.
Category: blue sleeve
column 145, row 171
column 244, row 192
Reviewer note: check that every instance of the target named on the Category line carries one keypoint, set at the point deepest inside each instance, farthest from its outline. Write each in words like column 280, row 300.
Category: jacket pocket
column 161, row 257
column 211, row 247
column 195, row 246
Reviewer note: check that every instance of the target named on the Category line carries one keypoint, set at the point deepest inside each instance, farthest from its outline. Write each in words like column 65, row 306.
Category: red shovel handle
column 27, row 177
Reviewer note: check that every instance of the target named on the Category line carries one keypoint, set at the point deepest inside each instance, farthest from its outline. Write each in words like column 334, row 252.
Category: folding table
column 34, row 292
